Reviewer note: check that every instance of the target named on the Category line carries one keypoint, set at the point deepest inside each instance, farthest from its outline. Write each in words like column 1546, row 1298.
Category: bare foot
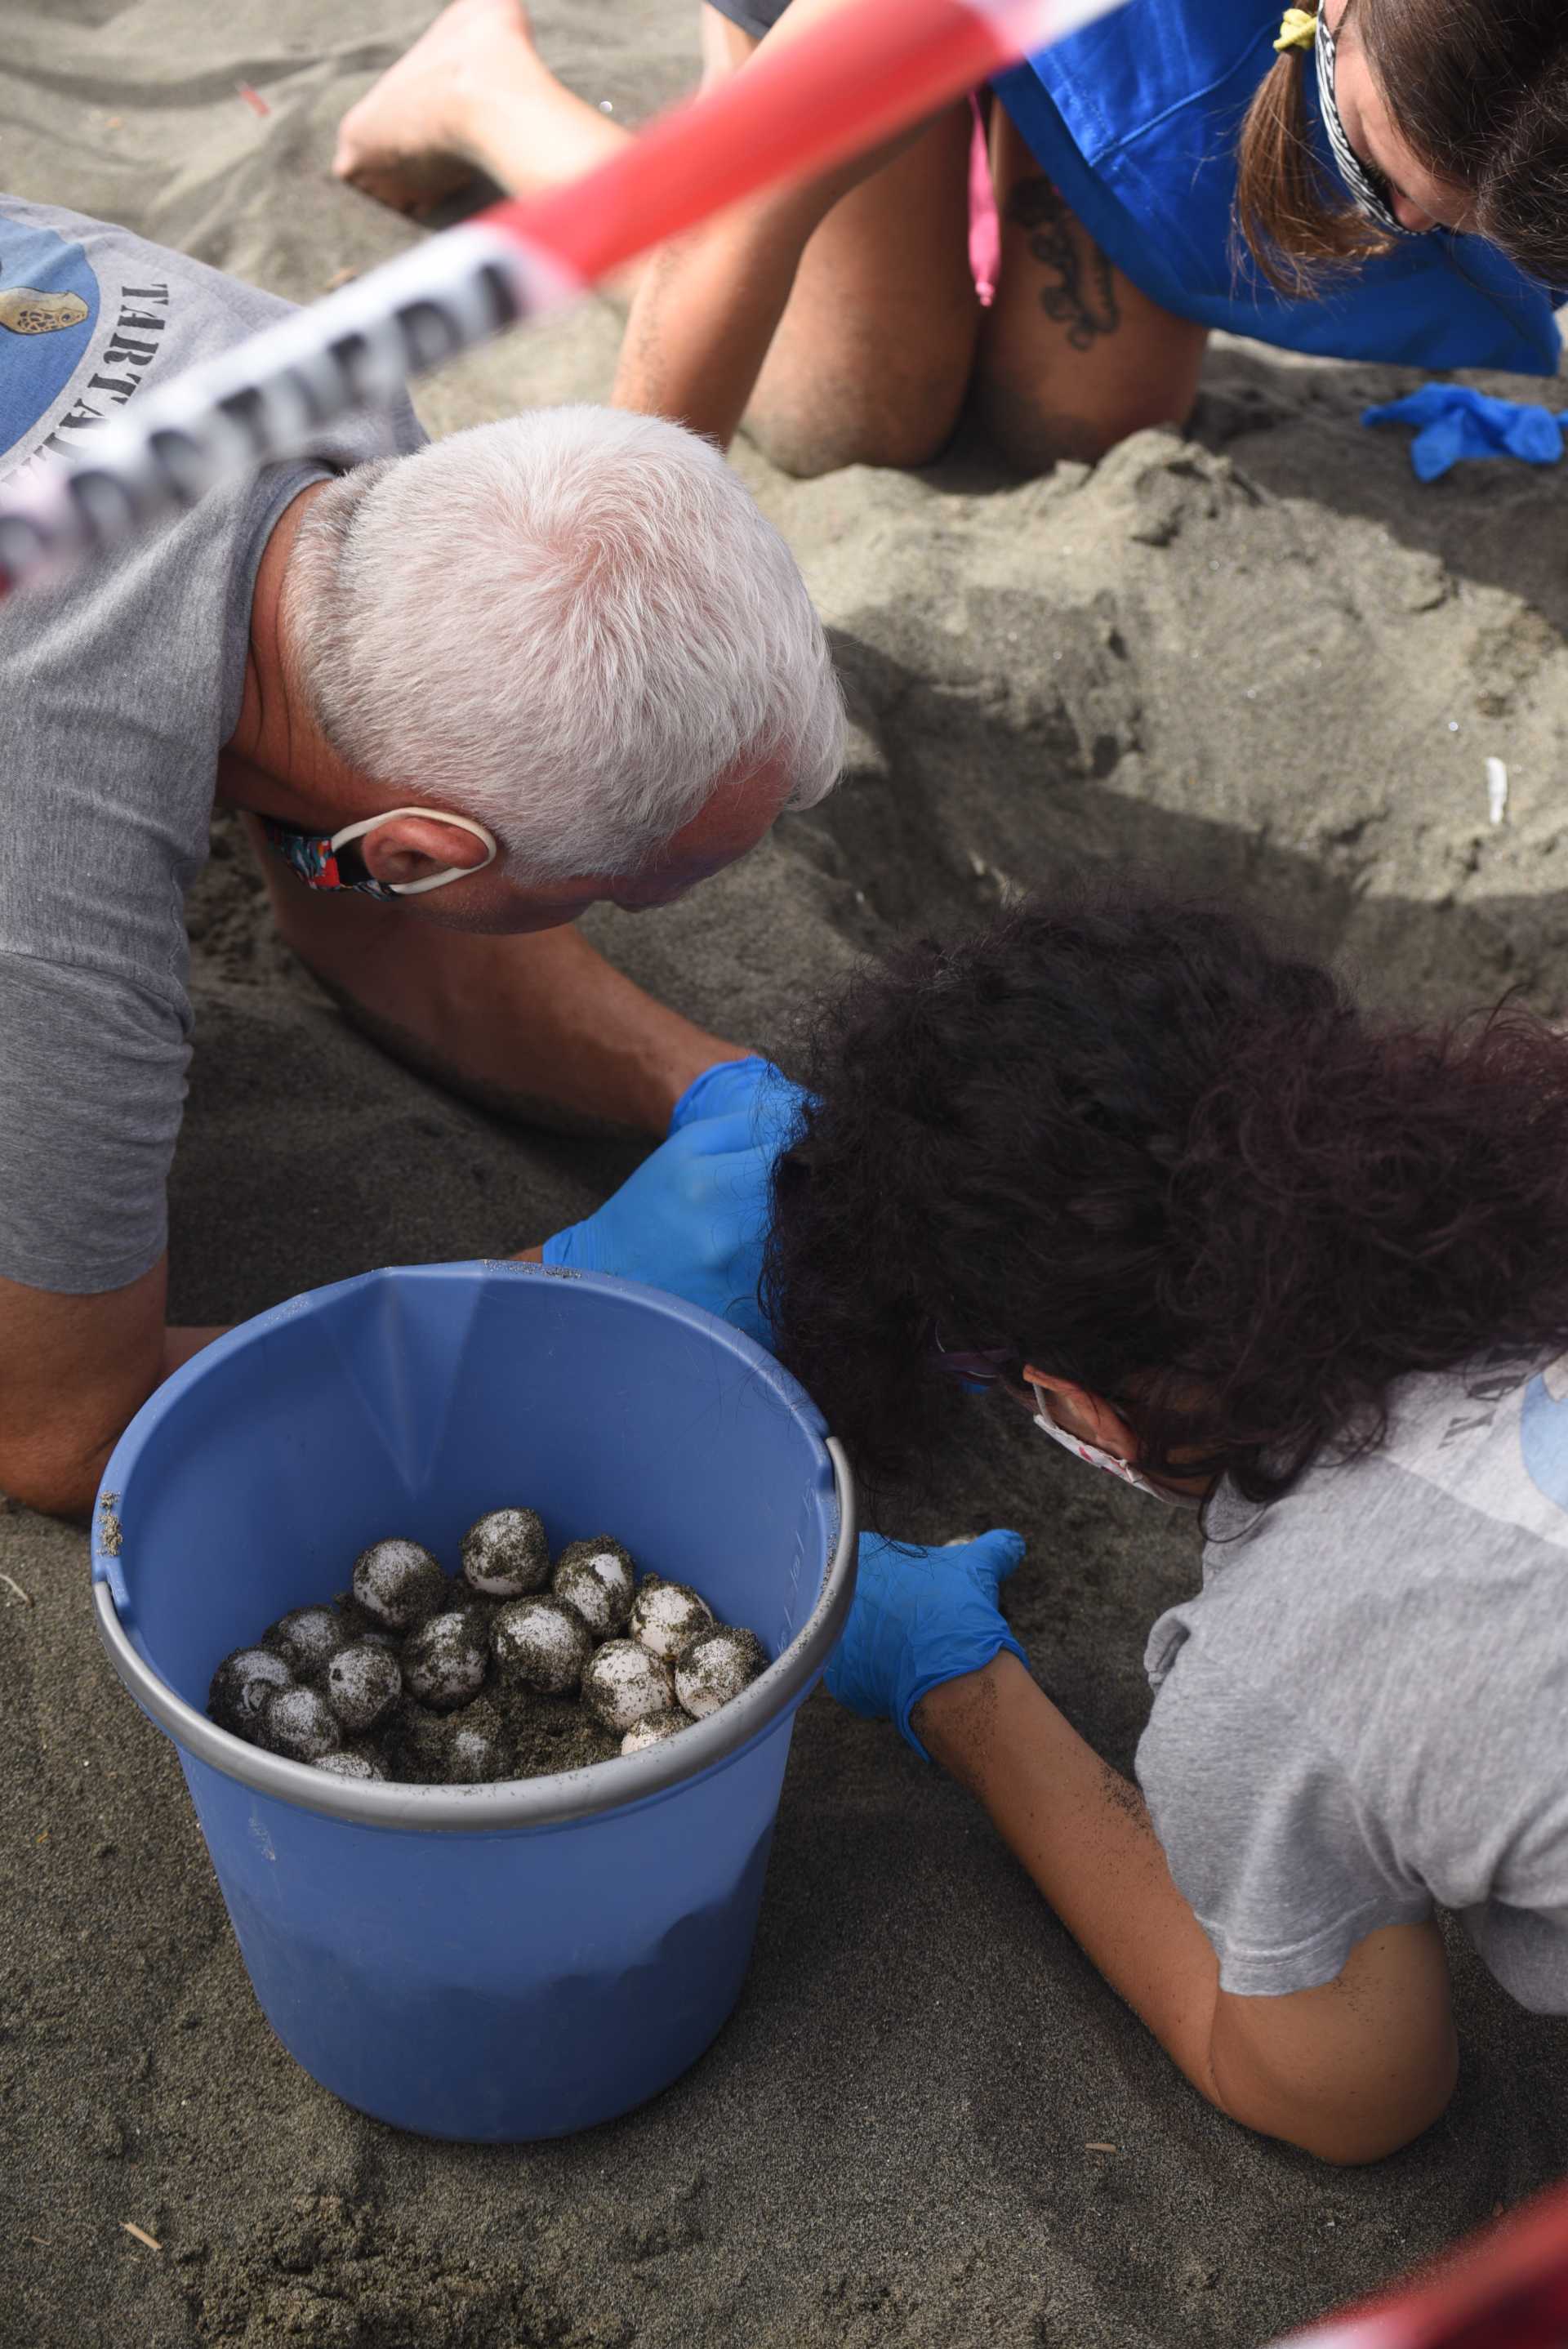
column 420, row 133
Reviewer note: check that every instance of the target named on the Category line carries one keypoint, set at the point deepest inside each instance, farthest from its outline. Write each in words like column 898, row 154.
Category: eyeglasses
column 977, row 1366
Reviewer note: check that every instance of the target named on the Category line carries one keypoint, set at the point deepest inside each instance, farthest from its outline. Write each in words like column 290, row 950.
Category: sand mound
column 1262, row 662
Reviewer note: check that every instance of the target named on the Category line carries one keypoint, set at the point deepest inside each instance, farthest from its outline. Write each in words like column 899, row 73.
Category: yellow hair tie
column 1298, row 29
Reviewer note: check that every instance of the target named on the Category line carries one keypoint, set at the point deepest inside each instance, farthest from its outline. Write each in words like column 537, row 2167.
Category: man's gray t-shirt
column 117, row 693
column 1365, row 1711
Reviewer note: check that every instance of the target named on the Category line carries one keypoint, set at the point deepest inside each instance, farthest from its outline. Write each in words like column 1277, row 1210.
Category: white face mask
column 1092, row 1453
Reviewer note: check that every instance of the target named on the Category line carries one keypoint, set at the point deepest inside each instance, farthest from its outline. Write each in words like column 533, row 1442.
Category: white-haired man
column 464, row 690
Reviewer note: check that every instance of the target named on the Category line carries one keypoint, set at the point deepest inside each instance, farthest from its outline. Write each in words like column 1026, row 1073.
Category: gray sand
column 1263, row 662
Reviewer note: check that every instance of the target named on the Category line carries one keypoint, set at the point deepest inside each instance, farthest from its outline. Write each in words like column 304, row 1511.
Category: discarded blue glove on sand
column 1453, row 421
column 693, row 1217
column 920, row 1616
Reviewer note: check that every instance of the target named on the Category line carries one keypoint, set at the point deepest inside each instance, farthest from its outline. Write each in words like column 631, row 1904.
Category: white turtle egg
column 623, row 1683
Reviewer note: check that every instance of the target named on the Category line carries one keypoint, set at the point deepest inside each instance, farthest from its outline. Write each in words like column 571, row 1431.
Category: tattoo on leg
column 1085, row 301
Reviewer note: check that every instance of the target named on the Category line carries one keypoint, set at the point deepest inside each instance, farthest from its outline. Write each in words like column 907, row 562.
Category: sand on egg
column 308, row 1638
column 623, row 1683
column 434, row 1679
column 353, row 1762
column 597, row 1579
column 364, row 1681
column 446, row 1658
column 541, row 1643
column 505, row 1553
column 241, row 1685
column 398, row 1582
column 653, row 1730
column 478, row 1745
column 299, row 1722
column 667, row 1615
column 713, row 1669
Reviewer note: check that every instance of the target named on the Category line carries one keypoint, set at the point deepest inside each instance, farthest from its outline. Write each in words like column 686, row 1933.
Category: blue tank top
column 1135, row 119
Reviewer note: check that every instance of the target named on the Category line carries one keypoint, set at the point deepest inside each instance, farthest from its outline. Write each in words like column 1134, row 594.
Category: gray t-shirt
column 117, row 693
column 1365, row 1711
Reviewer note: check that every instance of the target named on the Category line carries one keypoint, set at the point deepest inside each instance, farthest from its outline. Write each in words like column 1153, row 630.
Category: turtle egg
column 653, row 1730
column 506, row 1554
column 364, row 1681
column 624, row 1685
column 541, row 1643
column 398, row 1582
column 300, row 1723
column 666, row 1616
column 715, row 1666
column 353, row 1762
column 446, row 1659
column 241, row 1685
column 478, row 1750
column 309, row 1638
column 595, row 1578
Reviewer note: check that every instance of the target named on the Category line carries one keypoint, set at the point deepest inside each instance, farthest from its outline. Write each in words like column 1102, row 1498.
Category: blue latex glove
column 1453, row 421
column 920, row 1616
column 694, row 1216
column 753, row 1086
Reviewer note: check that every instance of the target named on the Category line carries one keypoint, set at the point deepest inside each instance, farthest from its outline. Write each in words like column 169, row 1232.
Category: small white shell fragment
column 666, row 1616
column 596, row 1578
column 624, row 1685
column 505, row 1553
column 715, row 1666
column 653, row 1730
column 1496, row 790
column 541, row 1643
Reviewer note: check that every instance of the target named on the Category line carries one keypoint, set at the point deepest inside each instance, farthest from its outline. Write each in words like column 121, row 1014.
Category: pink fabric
column 985, row 228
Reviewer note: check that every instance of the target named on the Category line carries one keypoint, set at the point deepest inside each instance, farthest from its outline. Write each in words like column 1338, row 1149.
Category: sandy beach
column 1261, row 661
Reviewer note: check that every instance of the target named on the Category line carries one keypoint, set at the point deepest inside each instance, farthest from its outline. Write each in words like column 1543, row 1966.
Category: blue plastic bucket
column 506, row 1962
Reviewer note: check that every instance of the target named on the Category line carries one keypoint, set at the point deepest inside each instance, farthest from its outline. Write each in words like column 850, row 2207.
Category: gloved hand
column 693, row 1215
column 920, row 1616
column 1453, row 421
column 752, row 1086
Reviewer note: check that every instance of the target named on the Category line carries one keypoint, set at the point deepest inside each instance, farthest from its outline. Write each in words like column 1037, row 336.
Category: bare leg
column 838, row 318
column 874, row 309
column 539, row 1027
column 1073, row 356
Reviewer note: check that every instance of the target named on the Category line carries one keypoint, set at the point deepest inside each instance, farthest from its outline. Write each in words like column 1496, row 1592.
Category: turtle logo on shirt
column 26, row 311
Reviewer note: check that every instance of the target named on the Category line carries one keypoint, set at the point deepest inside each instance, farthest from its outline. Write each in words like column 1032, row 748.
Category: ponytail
column 1286, row 210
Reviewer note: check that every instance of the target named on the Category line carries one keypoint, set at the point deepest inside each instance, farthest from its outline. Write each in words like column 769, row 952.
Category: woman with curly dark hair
column 1305, row 1270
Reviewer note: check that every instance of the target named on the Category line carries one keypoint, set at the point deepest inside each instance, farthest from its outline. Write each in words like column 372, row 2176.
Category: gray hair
column 574, row 625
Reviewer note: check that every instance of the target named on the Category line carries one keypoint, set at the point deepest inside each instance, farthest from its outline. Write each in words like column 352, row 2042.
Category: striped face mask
column 1094, row 1457
column 335, row 861
column 1370, row 191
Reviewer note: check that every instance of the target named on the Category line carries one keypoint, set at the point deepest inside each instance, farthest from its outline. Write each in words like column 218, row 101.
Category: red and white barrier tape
column 865, row 73
column 1506, row 2287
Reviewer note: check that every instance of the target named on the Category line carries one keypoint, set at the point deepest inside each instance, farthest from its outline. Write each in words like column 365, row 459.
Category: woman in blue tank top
column 1385, row 180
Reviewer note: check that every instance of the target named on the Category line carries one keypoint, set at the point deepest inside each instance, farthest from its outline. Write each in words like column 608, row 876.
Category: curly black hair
column 1130, row 1143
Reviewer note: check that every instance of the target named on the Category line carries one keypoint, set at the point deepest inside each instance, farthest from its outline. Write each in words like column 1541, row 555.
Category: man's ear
column 1085, row 1415
column 411, row 847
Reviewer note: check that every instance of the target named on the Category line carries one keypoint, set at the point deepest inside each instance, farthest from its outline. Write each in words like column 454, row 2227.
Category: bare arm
column 73, row 1372
column 1350, row 2072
